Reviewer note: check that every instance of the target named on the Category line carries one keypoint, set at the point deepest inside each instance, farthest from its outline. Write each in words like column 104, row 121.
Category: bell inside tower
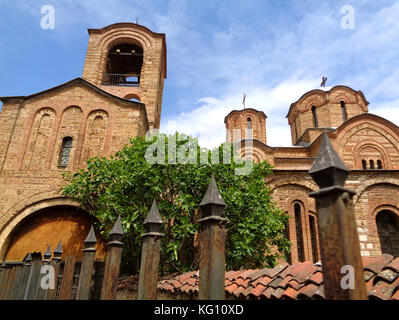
column 124, row 63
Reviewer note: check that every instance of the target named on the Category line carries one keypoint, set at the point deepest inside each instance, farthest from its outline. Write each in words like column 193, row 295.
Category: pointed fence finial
column 91, row 239
column 328, row 169
column 28, row 258
column 153, row 221
column 47, row 255
column 212, row 204
column 58, row 252
column 117, row 233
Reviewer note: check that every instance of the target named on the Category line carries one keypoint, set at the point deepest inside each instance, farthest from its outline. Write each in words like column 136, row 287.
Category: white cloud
column 207, row 121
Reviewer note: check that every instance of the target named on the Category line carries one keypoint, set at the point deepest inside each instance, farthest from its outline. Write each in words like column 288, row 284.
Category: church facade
column 119, row 96
column 369, row 147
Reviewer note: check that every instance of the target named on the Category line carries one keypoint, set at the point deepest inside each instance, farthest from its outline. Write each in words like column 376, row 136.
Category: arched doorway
column 49, row 226
column 388, row 232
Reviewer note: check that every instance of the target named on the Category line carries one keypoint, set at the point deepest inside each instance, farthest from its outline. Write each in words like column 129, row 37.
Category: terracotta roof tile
column 316, row 278
column 295, row 284
column 245, row 274
column 238, row 291
column 257, row 291
column 259, row 273
column 307, row 290
column 274, row 284
column 302, row 280
column 284, row 282
column 383, row 290
column 241, row 282
column 376, row 264
column 231, row 288
column 395, row 296
column 393, row 265
column 368, row 275
column 387, row 275
column 264, row 280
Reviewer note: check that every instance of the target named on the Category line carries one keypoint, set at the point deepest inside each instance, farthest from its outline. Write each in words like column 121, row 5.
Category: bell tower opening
column 124, row 63
column 128, row 59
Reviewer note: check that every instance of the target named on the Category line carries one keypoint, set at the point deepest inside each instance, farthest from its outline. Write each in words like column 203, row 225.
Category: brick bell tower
column 242, row 120
column 128, row 60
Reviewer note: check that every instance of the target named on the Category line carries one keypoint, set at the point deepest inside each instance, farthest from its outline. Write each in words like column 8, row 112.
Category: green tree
column 126, row 184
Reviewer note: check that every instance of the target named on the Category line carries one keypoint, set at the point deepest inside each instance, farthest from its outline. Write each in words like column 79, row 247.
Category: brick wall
column 32, row 136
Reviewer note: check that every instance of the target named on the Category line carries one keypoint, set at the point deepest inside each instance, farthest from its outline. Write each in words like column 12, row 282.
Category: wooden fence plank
column 34, row 276
column 67, row 277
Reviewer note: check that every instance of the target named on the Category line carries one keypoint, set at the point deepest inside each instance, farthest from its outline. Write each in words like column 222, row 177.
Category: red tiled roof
column 302, row 280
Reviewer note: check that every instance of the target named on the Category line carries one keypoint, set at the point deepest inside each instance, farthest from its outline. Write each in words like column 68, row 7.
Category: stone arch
column 95, row 135
column 115, row 37
column 131, row 96
column 38, row 139
column 25, row 208
column 308, row 184
column 70, row 126
column 71, row 227
column 362, row 152
column 373, row 182
column 387, row 221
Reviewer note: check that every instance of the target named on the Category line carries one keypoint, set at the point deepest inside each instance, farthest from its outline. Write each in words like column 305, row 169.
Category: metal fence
column 46, row 278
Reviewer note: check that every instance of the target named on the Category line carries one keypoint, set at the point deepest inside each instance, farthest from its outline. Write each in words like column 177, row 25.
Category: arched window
column 299, row 232
column 388, row 232
column 124, row 63
column 249, row 123
column 313, row 238
column 364, row 164
column 315, row 120
column 379, row 164
column 65, row 151
column 372, row 164
column 343, row 111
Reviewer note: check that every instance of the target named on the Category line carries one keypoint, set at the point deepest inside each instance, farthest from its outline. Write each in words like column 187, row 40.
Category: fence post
column 86, row 272
column 3, row 273
column 339, row 241
column 67, row 277
column 40, row 292
column 33, row 278
column 150, row 253
column 56, row 264
column 212, row 245
column 112, row 262
column 24, row 278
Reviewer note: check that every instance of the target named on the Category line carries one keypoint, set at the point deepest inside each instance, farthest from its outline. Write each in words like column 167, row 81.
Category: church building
column 119, row 96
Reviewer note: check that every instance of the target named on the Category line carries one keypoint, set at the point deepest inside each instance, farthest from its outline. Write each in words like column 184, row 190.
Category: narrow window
column 249, row 123
column 343, row 110
column 364, row 164
column 299, row 234
column 65, row 151
column 388, row 232
column 372, row 164
column 287, row 236
column 315, row 120
column 379, row 164
column 313, row 238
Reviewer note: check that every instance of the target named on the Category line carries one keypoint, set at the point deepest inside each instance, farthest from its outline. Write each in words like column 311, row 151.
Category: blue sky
column 274, row 51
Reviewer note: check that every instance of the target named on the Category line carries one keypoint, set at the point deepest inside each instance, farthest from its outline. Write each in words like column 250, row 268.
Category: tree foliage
column 126, row 185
